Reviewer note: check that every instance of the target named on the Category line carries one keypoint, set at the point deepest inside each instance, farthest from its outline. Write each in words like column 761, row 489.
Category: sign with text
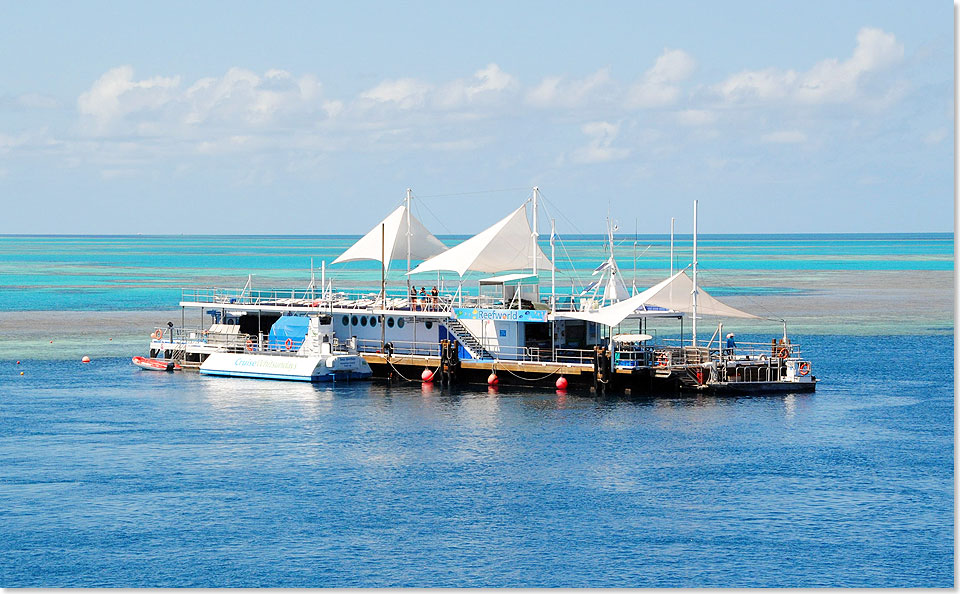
column 501, row 315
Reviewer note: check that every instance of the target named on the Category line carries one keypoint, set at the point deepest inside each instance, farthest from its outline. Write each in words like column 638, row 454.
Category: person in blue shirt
column 731, row 344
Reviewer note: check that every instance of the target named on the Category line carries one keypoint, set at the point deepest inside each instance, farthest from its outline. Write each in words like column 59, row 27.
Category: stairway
column 467, row 339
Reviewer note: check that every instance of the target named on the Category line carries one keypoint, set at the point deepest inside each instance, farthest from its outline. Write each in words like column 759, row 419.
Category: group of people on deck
column 426, row 302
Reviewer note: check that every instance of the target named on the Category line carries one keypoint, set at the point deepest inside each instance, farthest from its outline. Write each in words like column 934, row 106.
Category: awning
column 674, row 293
column 506, row 278
column 506, row 245
column 389, row 239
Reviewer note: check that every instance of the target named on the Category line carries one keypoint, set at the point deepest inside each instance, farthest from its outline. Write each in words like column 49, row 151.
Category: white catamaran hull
column 320, row 368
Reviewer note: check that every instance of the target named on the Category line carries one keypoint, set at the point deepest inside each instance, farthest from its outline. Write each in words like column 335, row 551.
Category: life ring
column 783, row 353
column 159, row 334
column 804, row 368
column 249, row 346
column 289, row 344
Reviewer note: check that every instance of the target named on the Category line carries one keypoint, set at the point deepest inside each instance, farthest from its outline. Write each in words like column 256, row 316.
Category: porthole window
column 354, row 321
column 363, row 320
column 400, row 322
column 346, row 320
column 373, row 321
column 390, row 322
column 428, row 325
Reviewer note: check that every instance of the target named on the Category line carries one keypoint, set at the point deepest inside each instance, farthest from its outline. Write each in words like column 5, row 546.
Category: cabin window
column 373, row 321
column 390, row 322
column 428, row 325
column 400, row 322
column 346, row 320
column 354, row 321
column 363, row 320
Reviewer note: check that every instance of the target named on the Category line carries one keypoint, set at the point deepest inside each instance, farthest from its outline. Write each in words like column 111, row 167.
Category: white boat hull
column 319, row 368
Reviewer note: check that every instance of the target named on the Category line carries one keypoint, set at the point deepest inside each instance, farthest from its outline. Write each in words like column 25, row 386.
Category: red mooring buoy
column 492, row 379
column 562, row 383
column 427, row 375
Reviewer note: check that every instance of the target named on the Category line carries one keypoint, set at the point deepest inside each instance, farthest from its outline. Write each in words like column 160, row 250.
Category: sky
column 315, row 117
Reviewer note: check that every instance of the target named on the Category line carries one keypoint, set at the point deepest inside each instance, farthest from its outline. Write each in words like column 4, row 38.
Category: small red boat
column 155, row 364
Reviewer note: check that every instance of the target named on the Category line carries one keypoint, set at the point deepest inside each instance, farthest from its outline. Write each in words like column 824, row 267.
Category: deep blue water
column 110, row 476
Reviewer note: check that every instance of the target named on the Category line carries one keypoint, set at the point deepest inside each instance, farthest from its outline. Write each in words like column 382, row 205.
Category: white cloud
column 407, row 93
column 785, row 137
column 658, row 85
column 555, row 91
column 828, row 81
column 487, row 85
column 599, row 149
column 117, row 103
column 116, row 94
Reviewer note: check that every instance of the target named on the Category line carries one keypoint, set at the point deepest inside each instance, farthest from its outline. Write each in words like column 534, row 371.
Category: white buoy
column 85, row 359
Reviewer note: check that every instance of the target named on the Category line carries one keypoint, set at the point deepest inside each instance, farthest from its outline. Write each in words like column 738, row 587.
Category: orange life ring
column 159, row 334
column 804, row 368
column 249, row 345
column 289, row 344
column 783, row 353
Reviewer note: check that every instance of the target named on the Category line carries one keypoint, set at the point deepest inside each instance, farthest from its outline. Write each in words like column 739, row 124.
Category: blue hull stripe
column 296, row 378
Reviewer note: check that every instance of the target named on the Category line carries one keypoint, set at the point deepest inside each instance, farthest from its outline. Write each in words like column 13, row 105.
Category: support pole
column 535, row 234
column 409, row 196
column 695, row 291
column 672, row 220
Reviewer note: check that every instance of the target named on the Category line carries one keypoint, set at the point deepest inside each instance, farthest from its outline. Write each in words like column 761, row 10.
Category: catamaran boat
column 504, row 329
column 290, row 354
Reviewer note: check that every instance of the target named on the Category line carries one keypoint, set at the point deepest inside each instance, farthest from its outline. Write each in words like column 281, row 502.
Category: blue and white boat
column 291, row 355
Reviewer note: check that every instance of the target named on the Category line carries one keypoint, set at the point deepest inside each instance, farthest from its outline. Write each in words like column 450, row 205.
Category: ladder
column 467, row 339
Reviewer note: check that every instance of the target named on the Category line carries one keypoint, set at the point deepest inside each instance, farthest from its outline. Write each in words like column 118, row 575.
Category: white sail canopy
column 506, row 245
column 389, row 240
column 615, row 289
column 673, row 293
column 677, row 295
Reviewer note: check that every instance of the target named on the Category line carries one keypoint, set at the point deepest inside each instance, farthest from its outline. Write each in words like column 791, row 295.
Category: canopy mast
column 408, row 241
column 535, row 235
column 553, row 271
column 672, row 219
column 694, row 292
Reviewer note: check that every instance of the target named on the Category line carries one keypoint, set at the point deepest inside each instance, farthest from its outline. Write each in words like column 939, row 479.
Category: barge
column 505, row 329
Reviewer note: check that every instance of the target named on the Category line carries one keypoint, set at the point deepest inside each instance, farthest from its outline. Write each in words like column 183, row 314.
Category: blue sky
column 234, row 117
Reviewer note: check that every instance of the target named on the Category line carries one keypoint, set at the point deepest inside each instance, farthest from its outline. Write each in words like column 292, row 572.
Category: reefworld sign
column 500, row 315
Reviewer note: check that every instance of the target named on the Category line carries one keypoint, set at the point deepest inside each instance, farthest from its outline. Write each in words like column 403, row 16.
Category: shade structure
column 674, row 293
column 388, row 240
column 615, row 289
column 506, row 245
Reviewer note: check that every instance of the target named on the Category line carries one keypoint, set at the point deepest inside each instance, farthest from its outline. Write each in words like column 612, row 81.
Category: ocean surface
column 110, row 476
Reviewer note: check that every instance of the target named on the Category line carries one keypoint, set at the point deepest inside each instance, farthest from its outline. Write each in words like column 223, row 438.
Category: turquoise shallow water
column 147, row 272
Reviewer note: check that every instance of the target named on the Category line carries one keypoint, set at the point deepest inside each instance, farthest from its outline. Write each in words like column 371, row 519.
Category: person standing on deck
column 423, row 297
column 435, row 294
column 413, row 298
column 731, row 344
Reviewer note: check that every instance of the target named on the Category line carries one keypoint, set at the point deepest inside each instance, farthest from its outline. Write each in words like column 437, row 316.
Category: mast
column 694, row 273
column 553, row 271
column 323, row 278
column 383, row 266
column 672, row 219
column 408, row 241
column 535, row 234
